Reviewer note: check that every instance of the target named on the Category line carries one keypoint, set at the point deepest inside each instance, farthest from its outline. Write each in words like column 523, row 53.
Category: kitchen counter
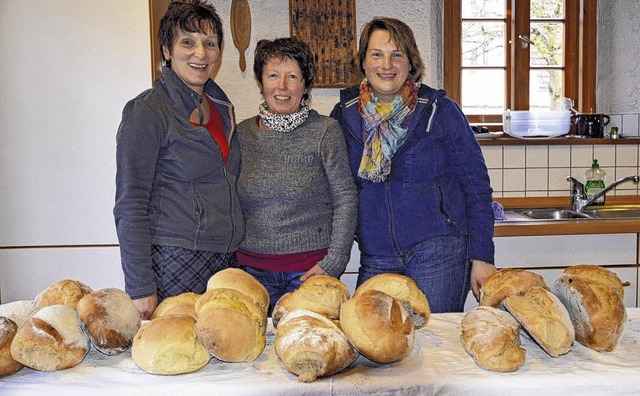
column 564, row 227
column 437, row 365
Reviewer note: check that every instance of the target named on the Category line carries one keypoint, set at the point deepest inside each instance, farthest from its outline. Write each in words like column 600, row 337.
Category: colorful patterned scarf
column 284, row 122
column 382, row 128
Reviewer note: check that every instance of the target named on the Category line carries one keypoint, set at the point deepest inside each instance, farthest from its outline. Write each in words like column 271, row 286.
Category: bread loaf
column 52, row 339
column 492, row 337
column 311, row 346
column 65, row 292
column 379, row 326
column 231, row 325
column 111, row 319
column 169, row 345
column 594, row 297
column 321, row 294
column 403, row 289
column 18, row 311
column 542, row 315
column 8, row 329
column 182, row 304
column 242, row 281
column 508, row 282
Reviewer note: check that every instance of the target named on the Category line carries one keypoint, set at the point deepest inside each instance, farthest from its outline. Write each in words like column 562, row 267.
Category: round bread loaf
column 65, row 292
column 52, row 339
column 8, row 329
column 594, row 298
column 169, row 345
column 182, row 304
column 18, row 311
column 311, row 346
column 508, row 282
column 322, row 294
column 111, row 319
column 379, row 326
column 542, row 315
column 492, row 337
column 231, row 325
column 242, row 281
column 403, row 289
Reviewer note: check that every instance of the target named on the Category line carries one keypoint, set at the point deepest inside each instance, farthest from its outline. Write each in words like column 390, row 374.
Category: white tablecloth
column 437, row 365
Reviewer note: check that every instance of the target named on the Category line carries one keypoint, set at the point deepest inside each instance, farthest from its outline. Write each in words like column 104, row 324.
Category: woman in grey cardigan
column 297, row 194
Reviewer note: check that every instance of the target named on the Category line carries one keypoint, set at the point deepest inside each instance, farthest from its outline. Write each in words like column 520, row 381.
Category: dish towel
column 498, row 211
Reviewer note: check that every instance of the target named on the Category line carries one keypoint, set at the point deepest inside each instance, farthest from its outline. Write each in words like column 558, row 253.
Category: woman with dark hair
column 424, row 194
column 297, row 193
column 177, row 213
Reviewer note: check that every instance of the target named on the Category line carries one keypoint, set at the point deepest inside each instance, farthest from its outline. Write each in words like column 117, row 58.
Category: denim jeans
column 276, row 283
column 440, row 266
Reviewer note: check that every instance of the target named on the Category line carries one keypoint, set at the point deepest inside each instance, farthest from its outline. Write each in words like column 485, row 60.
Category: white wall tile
column 581, row 156
column 626, row 155
column 514, row 156
column 492, row 156
column 514, row 180
column 537, row 179
column 558, row 179
column 537, row 156
column 630, row 125
column 616, row 121
column 559, row 156
column 622, row 171
column 536, row 194
column 495, row 175
column 606, row 155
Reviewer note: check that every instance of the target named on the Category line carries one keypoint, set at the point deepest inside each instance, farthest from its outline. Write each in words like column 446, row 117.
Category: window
column 519, row 55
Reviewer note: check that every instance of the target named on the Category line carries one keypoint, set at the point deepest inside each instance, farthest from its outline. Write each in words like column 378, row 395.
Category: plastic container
column 536, row 124
column 595, row 182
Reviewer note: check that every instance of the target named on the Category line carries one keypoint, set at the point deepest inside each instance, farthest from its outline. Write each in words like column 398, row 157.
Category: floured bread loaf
column 242, row 281
column 508, row 282
column 321, row 294
column 543, row 316
column 594, row 297
column 379, row 326
column 169, row 345
column 8, row 329
column 182, row 304
column 18, row 311
column 111, row 319
column 52, row 339
column 404, row 289
column 65, row 292
column 231, row 325
column 492, row 337
column 311, row 346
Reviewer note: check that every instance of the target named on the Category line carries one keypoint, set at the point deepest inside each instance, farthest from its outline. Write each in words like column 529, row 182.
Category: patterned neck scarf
column 383, row 130
column 284, row 122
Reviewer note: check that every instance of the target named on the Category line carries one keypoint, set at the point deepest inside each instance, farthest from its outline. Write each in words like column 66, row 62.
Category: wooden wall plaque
column 329, row 27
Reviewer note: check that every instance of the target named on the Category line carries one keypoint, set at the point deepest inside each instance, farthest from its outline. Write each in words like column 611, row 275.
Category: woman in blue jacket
column 424, row 193
column 177, row 213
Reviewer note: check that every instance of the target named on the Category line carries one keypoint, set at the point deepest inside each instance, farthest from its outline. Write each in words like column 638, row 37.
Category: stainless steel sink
column 614, row 212
column 553, row 214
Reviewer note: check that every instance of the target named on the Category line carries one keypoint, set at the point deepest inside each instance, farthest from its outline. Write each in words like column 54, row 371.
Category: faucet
column 579, row 199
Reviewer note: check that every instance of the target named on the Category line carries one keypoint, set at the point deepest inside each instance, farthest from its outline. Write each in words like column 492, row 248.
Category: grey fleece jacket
column 296, row 191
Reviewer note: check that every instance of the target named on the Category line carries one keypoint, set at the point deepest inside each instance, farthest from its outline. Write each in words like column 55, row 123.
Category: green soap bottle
column 595, row 182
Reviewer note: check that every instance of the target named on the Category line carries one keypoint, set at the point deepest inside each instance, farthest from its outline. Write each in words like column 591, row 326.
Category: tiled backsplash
column 541, row 171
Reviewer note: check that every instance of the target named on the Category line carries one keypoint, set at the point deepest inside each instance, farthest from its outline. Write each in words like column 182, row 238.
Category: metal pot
column 591, row 125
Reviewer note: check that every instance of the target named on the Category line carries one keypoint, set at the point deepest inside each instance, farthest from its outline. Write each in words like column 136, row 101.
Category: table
column 437, row 365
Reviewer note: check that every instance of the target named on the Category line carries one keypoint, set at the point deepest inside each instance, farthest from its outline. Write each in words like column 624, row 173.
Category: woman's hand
column 146, row 306
column 480, row 271
column 315, row 270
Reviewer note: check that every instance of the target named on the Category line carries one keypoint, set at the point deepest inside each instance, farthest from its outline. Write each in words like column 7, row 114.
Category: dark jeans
column 440, row 266
column 276, row 283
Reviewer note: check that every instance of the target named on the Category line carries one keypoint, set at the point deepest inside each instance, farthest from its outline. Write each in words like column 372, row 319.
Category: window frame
column 579, row 56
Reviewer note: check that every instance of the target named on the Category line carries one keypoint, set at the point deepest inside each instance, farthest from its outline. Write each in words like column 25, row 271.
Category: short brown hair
column 402, row 36
column 188, row 16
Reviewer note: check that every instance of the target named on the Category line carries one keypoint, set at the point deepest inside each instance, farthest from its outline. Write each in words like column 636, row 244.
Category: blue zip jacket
column 438, row 185
column 172, row 186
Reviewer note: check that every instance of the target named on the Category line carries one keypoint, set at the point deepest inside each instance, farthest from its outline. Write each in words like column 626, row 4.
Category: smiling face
column 193, row 57
column 283, row 85
column 386, row 66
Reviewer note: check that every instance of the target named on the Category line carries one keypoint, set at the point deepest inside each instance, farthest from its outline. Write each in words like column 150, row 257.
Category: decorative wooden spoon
column 241, row 28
